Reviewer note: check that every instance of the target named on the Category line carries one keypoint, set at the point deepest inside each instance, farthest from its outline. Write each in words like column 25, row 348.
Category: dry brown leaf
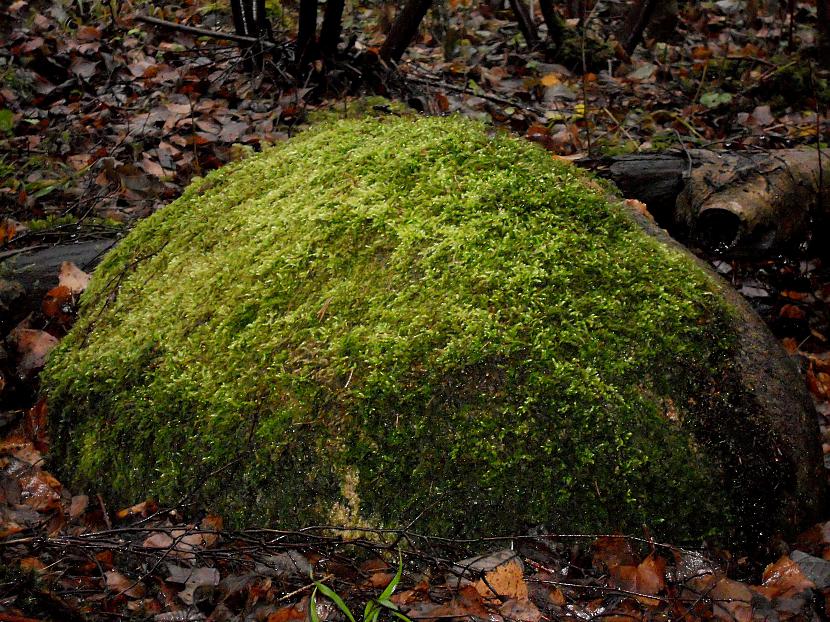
column 792, row 312
column 144, row 509
column 40, row 491
column 609, row 551
column 639, row 207
column 507, row 580
column 8, row 229
column 57, row 304
column 466, row 603
column 33, row 347
column 159, row 540
column 78, row 506
column 785, row 578
column 35, row 425
column 732, row 601
column 32, row 564
column 557, row 597
column 288, row 614
column 646, row 578
column 117, row 582
column 73, row 278
column 520, row 611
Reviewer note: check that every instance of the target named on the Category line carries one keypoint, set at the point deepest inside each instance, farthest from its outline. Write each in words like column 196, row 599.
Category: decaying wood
column 35, row 270
column 738, row 202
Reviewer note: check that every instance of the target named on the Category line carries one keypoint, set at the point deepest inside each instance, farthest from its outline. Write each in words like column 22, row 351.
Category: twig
column 303, row 589
column 25, row 249
column 435, row 82
column 203, row 32
column 622, row 127
column 104, row 511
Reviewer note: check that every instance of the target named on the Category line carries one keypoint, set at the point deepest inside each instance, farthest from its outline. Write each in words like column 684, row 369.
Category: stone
column 385, row 319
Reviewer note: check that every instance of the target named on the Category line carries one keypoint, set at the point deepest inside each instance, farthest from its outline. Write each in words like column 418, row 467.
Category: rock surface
column 385, row 319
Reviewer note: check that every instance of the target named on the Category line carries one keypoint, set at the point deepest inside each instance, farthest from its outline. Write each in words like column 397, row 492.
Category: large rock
column 382, row 319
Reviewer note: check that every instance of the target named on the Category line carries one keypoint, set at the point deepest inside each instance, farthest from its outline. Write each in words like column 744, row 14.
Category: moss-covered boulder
column 381, row 319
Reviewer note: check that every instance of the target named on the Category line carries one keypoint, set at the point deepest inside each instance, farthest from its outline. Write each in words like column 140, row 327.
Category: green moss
column 380, row 318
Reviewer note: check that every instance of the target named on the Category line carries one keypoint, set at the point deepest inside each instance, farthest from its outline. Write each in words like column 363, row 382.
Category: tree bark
column 635, row 24
column 404, row 29
column 250, row 20
column 556, row 25
column 823, row 8
column 735, row 202
column 525, row 21
column 331, row 28
column 307, row 30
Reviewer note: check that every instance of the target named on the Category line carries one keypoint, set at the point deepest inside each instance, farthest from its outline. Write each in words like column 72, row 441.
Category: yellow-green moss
column 399, row 317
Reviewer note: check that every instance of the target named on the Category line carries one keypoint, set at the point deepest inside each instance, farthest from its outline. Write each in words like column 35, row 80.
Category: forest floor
column 104, row 119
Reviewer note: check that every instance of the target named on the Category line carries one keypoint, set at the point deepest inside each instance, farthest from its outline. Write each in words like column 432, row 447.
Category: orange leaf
column 57, row 303
column 609, row 552
column 785, row 578
column 35, row 425
column 550, row 79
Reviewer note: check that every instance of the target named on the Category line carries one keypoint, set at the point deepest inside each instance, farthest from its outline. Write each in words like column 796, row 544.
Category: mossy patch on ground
column 381, row 319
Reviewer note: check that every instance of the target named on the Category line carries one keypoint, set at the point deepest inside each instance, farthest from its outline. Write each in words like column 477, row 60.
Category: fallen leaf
column 117, row 582
column 143, row 509
column 33, row 347
column 35, row 425
column 520, row 611
column 78, row 506
column 646, row 578
column 792, row 312
column 83, row 68
column 610, row 551
column 550, row 79
column 785, row 578
column 158, row 540
column 57, row 305
column 466, row 603
column 40, row 491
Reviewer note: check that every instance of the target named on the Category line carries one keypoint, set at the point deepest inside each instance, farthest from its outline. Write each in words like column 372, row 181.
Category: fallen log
column 27, row 275
column 737, row 202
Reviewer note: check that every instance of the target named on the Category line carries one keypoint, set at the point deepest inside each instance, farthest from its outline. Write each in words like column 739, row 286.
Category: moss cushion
column 380, row 319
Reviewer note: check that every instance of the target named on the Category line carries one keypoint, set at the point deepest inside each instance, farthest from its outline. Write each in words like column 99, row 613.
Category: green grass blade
column 312, row 608
column 393, row 583
column 330, row 593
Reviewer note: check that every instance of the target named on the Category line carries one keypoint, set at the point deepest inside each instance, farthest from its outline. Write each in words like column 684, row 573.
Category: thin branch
column 202, row 32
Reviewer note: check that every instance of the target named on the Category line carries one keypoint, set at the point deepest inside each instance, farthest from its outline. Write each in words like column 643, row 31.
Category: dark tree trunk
column 525, row 21
column 663, row 25
column 404, row 29
column 332, row 25
column 250, row 20
column 307, row 29
column 823, row 7
column 555, row 23
column 635, row 24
